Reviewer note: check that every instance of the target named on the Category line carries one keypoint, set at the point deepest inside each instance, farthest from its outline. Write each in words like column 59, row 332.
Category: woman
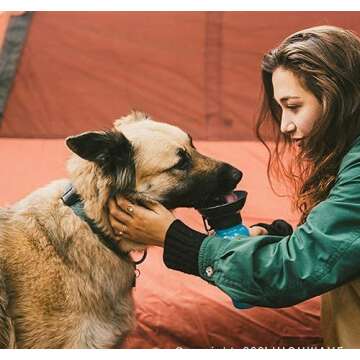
column 312, row 103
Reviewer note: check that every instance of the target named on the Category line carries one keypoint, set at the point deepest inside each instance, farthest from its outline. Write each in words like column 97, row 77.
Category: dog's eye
column 184, row 162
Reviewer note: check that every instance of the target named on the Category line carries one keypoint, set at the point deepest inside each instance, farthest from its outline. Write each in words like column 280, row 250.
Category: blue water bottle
column 224, row 218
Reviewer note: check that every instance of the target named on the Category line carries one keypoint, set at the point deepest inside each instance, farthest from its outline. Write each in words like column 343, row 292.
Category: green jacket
column 320, row 255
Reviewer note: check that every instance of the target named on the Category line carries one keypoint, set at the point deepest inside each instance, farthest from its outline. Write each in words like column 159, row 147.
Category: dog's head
column 155, row 160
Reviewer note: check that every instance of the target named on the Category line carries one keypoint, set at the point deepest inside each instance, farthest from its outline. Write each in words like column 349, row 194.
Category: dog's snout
column 229, row 176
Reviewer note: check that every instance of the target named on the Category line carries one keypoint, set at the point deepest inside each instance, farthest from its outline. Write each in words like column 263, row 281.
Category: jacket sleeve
column 275, row 271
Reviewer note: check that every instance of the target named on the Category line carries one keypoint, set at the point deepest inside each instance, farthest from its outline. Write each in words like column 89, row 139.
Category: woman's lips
column 298, row 142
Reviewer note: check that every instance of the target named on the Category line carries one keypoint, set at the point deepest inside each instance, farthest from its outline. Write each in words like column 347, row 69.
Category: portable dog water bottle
column 224, row 218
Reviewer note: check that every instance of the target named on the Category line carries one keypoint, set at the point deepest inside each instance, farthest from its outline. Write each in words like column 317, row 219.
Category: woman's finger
column 257, row 231
column 118, row 227
column 122, row 237
column 152, row 205
column 117, row 212
column 125, row 205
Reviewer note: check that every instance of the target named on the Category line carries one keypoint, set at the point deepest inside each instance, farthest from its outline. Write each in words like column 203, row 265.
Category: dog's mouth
column 198, row 199
column 185, row 201
column 216, row 200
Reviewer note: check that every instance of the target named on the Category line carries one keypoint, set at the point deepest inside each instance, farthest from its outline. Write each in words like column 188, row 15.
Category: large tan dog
column 63, row 281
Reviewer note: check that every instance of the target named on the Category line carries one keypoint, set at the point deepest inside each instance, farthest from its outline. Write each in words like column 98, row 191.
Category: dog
column 64, row 281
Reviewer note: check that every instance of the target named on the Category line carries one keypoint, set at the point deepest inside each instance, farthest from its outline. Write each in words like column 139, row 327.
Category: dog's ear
column 111, row 150
column 133, row 117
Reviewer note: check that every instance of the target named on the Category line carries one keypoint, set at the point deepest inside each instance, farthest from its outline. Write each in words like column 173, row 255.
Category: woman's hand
column 257, row 231
column 140, row 224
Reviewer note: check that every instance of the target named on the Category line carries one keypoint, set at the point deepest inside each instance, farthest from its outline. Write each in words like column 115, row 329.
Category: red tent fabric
column 198, row 70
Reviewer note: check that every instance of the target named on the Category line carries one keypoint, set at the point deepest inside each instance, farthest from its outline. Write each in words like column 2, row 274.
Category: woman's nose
column 287, row 126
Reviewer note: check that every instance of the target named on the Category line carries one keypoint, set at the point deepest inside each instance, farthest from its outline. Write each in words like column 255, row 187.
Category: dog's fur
column 60, row 287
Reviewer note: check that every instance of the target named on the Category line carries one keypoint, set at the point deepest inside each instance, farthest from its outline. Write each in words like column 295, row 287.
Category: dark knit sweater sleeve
column 181, row 248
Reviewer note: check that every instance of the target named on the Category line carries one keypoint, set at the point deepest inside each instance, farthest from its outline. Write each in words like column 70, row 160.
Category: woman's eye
column 293, row 107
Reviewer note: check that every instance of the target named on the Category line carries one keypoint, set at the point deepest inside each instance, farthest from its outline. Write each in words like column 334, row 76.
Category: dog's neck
column 93, row 189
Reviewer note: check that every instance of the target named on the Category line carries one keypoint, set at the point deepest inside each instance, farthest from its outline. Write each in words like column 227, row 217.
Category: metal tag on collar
column 136, row 275
column 137, row 262
column 137, row 271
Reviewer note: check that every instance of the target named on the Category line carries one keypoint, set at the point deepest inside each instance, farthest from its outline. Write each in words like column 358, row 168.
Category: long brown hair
column 326, row 60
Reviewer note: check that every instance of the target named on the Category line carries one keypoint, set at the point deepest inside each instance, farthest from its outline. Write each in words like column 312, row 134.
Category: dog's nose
column 229, row 176
column 236, row 175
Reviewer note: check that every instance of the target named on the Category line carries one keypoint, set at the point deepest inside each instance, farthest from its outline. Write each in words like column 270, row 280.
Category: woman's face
column 300, row 108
